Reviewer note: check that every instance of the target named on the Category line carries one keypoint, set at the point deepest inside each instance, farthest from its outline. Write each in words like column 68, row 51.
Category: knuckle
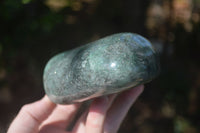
column 25, row 107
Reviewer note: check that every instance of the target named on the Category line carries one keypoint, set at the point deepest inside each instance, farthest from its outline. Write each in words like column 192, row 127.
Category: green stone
column 109, row 65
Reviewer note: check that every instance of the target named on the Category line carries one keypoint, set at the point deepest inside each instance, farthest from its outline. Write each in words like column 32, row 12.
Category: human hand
column 104, row 115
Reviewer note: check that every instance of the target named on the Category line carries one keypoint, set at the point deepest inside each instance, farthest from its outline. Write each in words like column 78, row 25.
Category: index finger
column 31, row 116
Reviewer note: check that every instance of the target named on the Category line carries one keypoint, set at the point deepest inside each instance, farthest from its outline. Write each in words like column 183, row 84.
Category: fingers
column 97, row 114
column 119, row 109
column 61, row 116
column 80, row 125
column 31, row 116
column 92, row 121
column 106, row 114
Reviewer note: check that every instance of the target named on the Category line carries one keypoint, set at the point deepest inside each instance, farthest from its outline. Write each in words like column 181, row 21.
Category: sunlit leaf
column 57, row 5
column 26, row 1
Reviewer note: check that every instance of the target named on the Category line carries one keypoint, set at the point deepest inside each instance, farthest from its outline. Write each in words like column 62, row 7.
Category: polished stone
column 109, row 65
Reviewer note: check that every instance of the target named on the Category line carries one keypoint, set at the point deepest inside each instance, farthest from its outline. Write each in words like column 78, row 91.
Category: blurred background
column 32, row 31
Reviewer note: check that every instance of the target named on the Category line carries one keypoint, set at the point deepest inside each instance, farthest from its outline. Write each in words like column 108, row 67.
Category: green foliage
column 22, row 20
column 26, row 1
column 182, row 125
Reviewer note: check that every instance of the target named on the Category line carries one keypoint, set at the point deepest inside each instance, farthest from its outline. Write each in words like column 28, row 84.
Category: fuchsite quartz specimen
column 109, row 65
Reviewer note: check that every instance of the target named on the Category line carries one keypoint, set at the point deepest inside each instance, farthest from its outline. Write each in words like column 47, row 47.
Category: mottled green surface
column 106, row 66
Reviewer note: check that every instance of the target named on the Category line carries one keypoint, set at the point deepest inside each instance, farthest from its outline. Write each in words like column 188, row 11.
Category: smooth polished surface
column 109, row 65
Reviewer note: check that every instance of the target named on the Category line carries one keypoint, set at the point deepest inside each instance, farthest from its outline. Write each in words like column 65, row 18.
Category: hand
column 104, row 115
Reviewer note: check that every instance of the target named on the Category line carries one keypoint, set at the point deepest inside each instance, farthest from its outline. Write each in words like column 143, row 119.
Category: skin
column 104, row 115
